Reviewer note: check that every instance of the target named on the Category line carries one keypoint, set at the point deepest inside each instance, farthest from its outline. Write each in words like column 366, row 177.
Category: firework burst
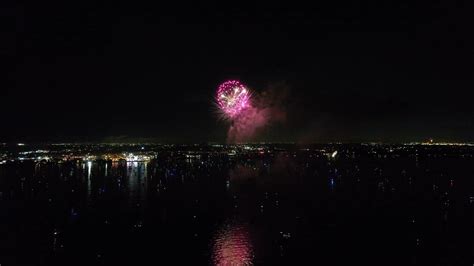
column 232, row 98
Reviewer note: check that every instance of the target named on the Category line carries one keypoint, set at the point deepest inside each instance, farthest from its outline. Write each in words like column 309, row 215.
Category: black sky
column 351, row 70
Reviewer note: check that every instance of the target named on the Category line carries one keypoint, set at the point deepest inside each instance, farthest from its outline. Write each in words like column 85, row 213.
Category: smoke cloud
column 266, row 108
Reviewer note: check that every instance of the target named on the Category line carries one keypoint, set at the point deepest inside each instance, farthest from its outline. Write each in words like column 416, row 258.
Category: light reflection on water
column 232, row 245
column 180, row 207
column 89, row 181
column 136, row 175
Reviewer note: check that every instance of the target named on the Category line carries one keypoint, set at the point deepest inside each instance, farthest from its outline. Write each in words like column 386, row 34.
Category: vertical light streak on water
column 89, row 183
column 144, row 186
column 133, row 182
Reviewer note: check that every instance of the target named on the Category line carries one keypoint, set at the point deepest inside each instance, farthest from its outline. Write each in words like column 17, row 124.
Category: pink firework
column 232, row 98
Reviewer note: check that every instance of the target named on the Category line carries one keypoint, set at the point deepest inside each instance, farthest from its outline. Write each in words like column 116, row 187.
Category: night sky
column 342, row 70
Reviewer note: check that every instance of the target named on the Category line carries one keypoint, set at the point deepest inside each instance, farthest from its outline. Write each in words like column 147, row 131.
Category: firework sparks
column 232, row 98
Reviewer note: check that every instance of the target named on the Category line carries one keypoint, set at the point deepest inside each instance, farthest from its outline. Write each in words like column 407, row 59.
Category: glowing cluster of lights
column 232, row 98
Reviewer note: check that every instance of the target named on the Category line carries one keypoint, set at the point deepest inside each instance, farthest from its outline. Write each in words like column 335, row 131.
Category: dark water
column 278, row 209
